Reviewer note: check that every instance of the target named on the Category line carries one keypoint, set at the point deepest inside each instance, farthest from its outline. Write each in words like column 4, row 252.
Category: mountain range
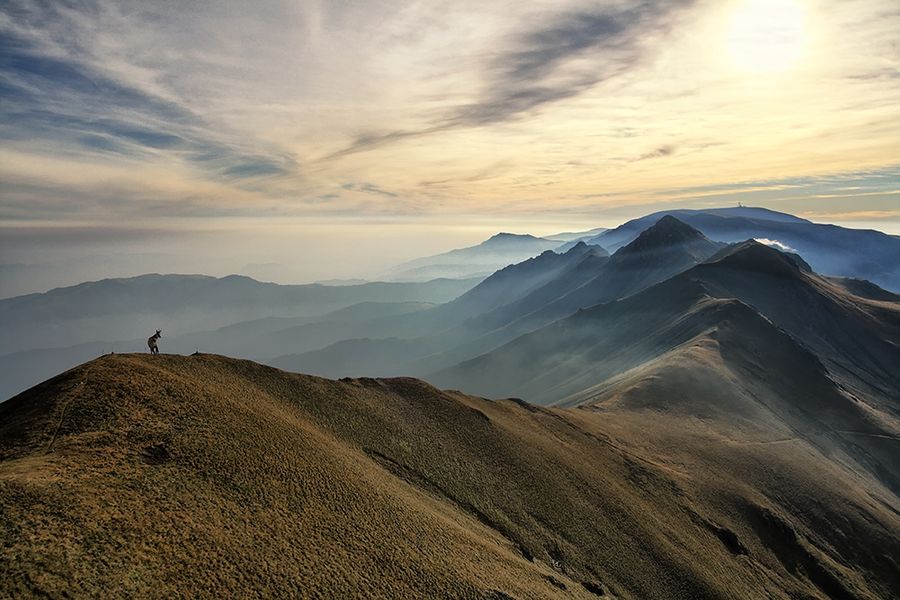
column 517, row 300
column 61, row 328
column 855, row 334
column 48, row 332
column 665, row 247
column 668, row 414
column 288, row 326
column 483, row 259
column 830, row 249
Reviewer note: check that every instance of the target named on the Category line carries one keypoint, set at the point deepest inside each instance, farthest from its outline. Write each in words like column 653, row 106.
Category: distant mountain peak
column 670, row 223
column 759, row 257
column 505, row 236
column 505, row 240
column 668, row 231
column 480, row 260
column 582, row 248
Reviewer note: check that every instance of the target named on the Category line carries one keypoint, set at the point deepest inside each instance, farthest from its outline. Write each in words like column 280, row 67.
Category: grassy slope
column 157, row 476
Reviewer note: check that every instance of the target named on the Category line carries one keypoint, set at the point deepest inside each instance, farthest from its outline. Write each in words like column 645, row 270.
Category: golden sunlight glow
column 767, row 36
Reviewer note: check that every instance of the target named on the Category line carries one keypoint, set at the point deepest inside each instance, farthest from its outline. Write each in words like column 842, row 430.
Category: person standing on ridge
column 151, row 342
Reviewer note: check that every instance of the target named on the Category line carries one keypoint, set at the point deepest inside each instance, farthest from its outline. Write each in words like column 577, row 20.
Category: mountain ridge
column 247, row 478
column 829, row 249
column 526, row 296
column 856, row 337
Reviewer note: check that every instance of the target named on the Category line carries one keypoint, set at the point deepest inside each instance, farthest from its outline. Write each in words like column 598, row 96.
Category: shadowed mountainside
column 519, row 281
column 664, row 249
column 752, row 334
column 163, row 476
column 517, row 300
column 831, row 250
column 856, row 338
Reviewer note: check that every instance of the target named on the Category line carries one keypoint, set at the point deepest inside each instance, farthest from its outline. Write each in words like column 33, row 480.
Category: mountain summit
column 664, row 249
column 504, row 238
column 755, row 256
column 666, row 232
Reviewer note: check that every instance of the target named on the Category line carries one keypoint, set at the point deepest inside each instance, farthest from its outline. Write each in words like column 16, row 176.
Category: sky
column 305, row 140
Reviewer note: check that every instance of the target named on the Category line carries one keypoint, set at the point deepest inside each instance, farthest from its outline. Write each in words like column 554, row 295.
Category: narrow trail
column 874, row 435
column 765, row 442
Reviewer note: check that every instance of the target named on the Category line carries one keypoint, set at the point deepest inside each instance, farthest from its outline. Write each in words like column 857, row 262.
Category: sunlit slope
column 164, row 476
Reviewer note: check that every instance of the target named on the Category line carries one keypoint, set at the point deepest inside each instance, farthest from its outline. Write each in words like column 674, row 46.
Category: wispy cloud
column 660, row 152
column 371, row 141
column 71, row 107
column 368, row 188
column 776, row 244
column 565, row 56
column 123, row 111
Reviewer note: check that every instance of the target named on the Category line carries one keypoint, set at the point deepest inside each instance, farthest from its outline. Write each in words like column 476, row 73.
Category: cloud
column 660, row 152
column 61, row 102
column 569, row 54
column 371, row 141
column 128, row 111
column 776, row 244
column 367, row 188
column 540, row 66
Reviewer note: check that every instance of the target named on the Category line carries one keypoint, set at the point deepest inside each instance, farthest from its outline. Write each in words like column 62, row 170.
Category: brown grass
column 139, row 476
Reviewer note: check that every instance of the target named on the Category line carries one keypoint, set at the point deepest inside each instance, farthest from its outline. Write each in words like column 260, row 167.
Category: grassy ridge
column 161, row 476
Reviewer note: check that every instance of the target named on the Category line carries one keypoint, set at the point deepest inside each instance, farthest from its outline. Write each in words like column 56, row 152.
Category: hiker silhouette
column 151, row 342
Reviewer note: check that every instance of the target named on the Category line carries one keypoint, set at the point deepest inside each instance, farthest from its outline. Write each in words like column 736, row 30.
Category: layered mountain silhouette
column 577, row 236
column 751, row 335
column 855, row 336
column 664, row 249
column 623, row 234
column 519, row 299
column 45, row 333
column 480, row 260
column 679, row 419
column 521, row 279
column 257, row 338
column 831, row 250
column 203, row 475
column 126, row 307
column 287, row 325
column 442, row 327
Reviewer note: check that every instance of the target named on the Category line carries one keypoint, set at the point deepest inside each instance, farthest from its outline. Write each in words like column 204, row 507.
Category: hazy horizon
column 279, row 259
